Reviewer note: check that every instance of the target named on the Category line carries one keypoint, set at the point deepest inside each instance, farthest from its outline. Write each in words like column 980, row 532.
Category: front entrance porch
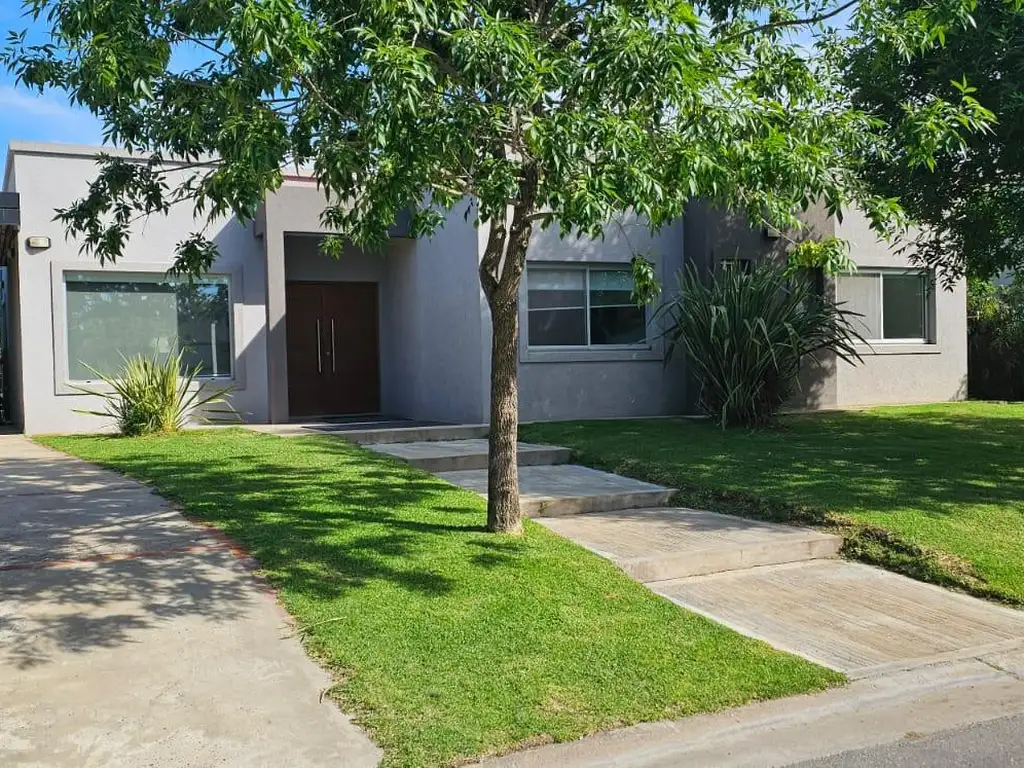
column 416, row 348
column 336, row 340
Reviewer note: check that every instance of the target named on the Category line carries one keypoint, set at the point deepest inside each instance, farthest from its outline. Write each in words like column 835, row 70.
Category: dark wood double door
column 333, row 349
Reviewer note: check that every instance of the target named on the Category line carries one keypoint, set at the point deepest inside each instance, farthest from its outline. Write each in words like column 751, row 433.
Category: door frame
column 376, row 334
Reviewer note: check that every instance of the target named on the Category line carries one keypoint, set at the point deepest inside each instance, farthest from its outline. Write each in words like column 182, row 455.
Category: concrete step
column 567, row 489
column 416, row 434
column 377, row 435
column 674, row 542
column 459, row 455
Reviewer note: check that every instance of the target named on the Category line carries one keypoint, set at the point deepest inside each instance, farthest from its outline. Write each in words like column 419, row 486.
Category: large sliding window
column 110, row 314
column 895, row 305
column 582, row 306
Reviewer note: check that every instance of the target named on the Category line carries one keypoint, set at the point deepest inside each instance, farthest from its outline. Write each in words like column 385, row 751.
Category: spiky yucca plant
column 747, row 333
column 156, row 395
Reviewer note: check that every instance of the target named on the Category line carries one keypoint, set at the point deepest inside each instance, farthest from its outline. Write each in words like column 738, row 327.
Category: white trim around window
column 897, row 306
column 575, row 282
column 91, row 270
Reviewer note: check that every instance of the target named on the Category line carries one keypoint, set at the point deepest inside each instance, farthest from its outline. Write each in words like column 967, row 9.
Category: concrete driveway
column 130, row 637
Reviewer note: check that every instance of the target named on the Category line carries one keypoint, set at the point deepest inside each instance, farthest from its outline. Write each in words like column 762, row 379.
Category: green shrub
column 746, row 334
column 158, row 395
column 995, row 340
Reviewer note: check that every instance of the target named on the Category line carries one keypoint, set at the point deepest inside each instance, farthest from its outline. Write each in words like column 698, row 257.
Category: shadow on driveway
column 130, row 636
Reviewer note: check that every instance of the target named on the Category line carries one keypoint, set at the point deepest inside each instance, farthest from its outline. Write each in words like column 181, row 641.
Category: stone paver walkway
column 130, row 637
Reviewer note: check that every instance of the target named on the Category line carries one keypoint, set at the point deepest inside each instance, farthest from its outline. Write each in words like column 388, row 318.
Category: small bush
column 746, row 334
column 156, row 395
column 995, row 340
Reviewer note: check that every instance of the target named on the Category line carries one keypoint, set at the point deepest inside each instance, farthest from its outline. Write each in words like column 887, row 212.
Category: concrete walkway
column 656, row 544
column 568, row 489
column 860, row 620
column 130, row 637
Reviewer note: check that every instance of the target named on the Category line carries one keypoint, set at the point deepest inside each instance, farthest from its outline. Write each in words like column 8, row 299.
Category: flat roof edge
column 79, row 150
column 54, row 149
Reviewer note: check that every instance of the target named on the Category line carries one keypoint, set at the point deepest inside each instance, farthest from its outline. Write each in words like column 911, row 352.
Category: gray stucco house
column 405, row 333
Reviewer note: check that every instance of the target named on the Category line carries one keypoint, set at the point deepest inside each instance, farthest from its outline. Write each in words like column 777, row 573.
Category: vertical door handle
column 334, row 366
column 319, row 354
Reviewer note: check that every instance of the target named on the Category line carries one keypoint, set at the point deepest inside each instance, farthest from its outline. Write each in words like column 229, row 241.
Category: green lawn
column 446, row 641
column 936, row 492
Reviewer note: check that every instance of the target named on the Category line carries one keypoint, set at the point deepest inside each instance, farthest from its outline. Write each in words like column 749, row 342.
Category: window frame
column 649, row 349
column 65, row 385
column 928, row 310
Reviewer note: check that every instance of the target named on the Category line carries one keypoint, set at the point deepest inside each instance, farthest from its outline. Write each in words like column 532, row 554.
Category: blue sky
column 29, row 117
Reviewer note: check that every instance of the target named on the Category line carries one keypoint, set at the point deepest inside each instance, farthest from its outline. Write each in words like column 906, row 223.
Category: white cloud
column 36, row 104
column 45, row 117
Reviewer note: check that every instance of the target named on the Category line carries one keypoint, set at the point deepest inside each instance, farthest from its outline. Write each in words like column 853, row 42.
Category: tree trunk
column 501, row 271
column 502, row 466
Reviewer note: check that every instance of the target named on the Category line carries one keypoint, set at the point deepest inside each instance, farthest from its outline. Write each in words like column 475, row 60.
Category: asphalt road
column 995, row 744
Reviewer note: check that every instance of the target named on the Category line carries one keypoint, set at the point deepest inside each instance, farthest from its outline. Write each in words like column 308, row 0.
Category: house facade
column 406, row 333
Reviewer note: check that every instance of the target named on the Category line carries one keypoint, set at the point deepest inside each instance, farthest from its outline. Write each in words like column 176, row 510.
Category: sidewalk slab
column 160, row 662
column 569, row 489
column 1009, row 661
column 848, row 616
column 458, row 455
column 31, row 470
column 54, row 527
column 656, row 544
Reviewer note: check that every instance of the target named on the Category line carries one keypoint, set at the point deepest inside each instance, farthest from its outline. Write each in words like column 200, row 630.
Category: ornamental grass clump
column 158, row 394
column 748, row 332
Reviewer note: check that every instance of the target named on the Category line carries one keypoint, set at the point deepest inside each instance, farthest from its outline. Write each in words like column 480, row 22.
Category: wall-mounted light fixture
column 38, row 243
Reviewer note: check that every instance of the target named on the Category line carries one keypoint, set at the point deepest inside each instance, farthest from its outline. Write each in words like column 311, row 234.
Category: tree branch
column 449, row 69
column 518, row 235
column 490, row 264
column 171, row 31
column 815, row 19
column 576, row 16
column 326, row 103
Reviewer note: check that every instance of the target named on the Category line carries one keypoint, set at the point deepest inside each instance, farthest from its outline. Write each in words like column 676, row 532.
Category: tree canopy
column 636, row 104
column 543, row 112
column 968, row 200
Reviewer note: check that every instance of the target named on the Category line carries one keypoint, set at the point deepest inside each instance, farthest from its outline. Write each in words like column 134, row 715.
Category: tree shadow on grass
column 495, row 553
column 874, row 462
